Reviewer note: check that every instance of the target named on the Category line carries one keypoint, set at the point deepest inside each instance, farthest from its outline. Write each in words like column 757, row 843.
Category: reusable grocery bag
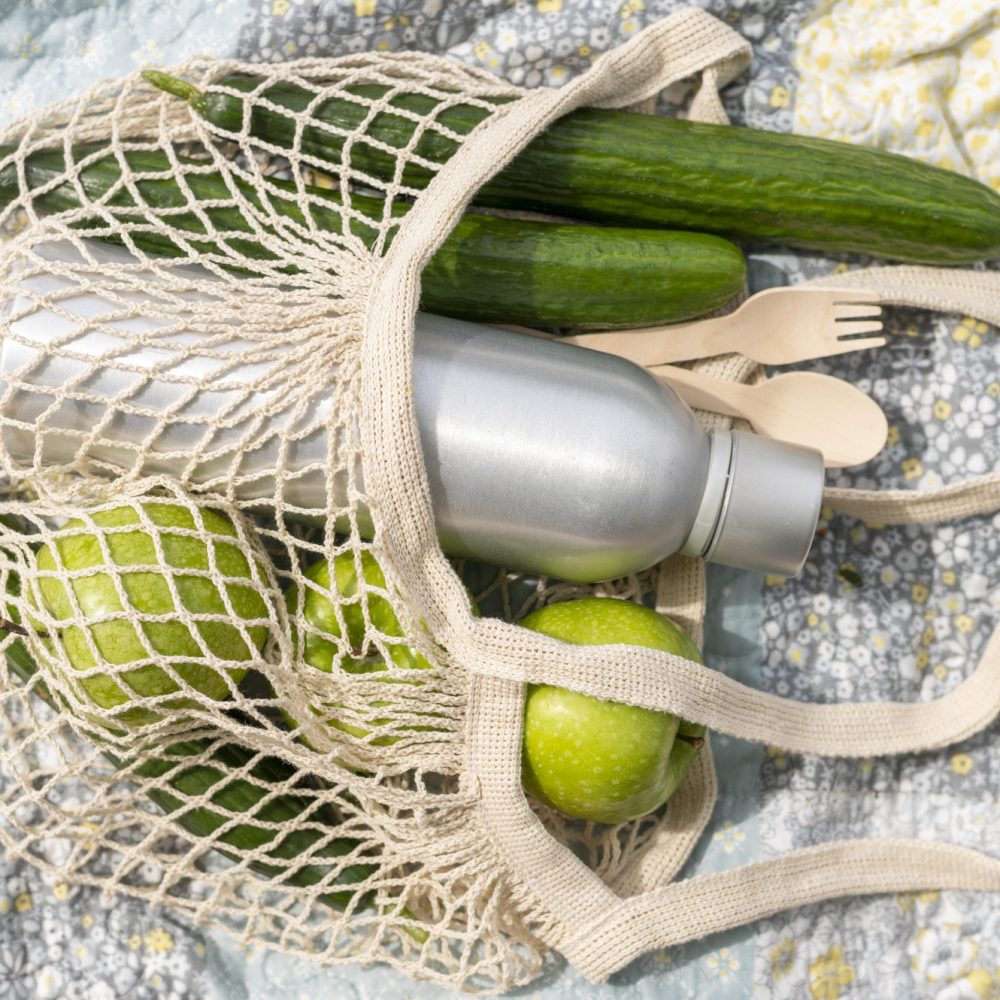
column 369, row 807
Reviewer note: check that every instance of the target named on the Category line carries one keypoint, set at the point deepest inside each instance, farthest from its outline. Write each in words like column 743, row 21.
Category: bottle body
column 540, row 456
column 553, row 458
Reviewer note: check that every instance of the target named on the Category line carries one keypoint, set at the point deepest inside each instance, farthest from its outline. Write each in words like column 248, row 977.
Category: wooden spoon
column 818, row 411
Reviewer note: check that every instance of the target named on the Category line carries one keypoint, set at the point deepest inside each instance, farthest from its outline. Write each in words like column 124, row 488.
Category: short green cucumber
column 624, row 168
column 491, row 269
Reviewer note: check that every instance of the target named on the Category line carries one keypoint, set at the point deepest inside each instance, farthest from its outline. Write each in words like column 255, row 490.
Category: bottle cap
column 761, row 504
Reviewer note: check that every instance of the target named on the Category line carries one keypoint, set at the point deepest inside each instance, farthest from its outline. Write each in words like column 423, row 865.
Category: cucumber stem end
column 418, row 934
column 172, row 85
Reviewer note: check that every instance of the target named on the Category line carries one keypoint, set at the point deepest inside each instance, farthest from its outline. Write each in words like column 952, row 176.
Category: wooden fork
column 779, row 326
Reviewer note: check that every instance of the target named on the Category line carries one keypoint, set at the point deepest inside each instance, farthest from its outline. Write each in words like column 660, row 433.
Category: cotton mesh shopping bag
column 176, row 725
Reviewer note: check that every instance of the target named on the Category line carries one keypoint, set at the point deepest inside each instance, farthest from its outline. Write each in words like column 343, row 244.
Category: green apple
column 117, row 641
column 602, row 760
column 337, row 632
column 337, row 616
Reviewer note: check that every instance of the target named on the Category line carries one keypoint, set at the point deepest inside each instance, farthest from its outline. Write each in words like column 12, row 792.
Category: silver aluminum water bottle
column 541, row 456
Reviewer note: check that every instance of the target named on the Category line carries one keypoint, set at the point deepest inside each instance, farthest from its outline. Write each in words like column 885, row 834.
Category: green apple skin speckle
column 602, row 760
column 117, row 642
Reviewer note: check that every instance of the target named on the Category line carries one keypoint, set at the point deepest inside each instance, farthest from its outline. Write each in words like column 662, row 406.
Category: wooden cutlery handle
column 654, row 345
column 703, row 391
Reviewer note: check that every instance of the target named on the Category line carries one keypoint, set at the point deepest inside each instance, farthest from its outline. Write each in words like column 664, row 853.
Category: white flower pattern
column 942, row 952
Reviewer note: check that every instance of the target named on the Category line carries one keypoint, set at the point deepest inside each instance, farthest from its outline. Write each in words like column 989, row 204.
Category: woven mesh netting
column 218, row 693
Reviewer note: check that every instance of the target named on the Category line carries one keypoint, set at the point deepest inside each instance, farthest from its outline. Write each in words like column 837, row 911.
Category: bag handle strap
column 666, row 683
column 680, row 594
column 690, row 909
column 947, row 290
column 599, row 931
column 941, row 289
column 969, row 498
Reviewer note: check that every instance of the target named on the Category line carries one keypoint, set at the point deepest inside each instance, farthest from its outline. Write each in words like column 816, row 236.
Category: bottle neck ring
column 711, row 510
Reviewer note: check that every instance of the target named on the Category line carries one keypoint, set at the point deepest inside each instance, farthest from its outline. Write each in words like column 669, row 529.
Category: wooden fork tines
column 779, row 326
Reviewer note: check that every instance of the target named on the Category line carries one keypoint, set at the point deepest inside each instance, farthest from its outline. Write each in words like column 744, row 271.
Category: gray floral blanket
column 904, row 612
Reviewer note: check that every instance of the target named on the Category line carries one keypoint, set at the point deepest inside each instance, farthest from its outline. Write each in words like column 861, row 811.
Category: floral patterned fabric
column 932, row 77
column 879, row 612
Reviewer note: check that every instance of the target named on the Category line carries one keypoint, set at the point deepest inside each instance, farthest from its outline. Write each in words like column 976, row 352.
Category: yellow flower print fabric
column 913, row 76
column 829, row 975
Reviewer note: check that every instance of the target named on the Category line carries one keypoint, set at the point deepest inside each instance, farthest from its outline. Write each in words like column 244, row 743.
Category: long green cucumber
column 490, row 269
column 252, row 796
column 625, row 168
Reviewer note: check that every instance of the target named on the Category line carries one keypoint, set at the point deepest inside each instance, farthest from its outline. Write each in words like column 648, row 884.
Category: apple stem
column 8, row 626
column 696, row 741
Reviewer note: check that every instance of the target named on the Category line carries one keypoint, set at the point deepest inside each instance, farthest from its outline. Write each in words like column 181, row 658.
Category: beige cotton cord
column 676, row 48
column 680, row 594
column 668, row 683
